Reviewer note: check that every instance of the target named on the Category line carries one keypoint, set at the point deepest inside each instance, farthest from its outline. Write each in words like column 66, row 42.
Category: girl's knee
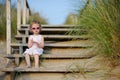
column 36, row 55
column 27, row 55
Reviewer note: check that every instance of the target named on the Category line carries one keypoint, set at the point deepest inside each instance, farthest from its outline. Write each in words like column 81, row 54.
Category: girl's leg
column 27, row 58
column 36, row 58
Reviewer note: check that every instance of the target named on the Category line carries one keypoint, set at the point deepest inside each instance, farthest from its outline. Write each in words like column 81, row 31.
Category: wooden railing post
column 8, row 26
column 8, row 21
column 24, row 11
column 18, row 15
column 28, row 14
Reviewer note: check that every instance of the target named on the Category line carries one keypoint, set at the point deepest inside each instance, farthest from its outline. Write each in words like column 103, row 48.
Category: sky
column 55, row 11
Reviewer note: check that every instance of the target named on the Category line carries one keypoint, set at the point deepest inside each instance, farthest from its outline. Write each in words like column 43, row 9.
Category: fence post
column 28, row 14
column 8, row 26
column 24, row 11
column 18, row 15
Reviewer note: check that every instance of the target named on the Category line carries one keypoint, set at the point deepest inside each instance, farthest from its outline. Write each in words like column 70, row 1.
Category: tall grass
column 71, row 19
column 102, row 17
column 3, row 20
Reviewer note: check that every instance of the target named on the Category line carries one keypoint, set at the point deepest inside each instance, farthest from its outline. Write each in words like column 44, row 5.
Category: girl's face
column 35, row 28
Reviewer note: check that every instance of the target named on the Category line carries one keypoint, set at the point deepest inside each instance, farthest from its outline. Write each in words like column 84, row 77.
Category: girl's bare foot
column 37, row 67
column 28, row 66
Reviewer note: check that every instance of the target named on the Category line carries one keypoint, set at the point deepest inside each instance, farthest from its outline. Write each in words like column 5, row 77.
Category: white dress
column 34, row 49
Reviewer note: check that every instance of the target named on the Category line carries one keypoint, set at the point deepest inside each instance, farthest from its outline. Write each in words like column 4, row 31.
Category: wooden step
column 53, row 56
column 56, row 45
column 15, row 45
column 70, row 51
column 54, row 29
column 26, row 31
column 62, row 76
column 24, row 38
column 48, row 56
column 50, row 26
column 59, row 36
column 58, row 65
column 48, row 46
column 43, row 70
column 57, row 55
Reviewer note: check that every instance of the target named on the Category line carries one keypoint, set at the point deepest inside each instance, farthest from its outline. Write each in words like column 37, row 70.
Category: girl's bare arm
column 41, row 45
column 30, row 42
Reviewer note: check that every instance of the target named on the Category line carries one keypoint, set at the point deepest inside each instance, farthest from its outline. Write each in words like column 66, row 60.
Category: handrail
column 26, row 14
column 26, row 11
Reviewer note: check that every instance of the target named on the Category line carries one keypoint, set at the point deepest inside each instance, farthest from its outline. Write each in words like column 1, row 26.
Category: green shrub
column 37, row 16
column 71, row 19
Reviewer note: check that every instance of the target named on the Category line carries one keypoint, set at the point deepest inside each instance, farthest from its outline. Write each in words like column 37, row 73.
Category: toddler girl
column 35, row 44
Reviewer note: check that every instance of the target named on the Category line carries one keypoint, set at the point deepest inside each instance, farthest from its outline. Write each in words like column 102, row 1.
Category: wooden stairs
column 65, row 56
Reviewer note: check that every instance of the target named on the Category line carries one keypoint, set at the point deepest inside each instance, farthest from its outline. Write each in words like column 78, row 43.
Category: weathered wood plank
column 24, row 11
column 54, row 56
column 55, row 45
column 54, row 29
column 57, row 37
column 8, row 25
column 50, row 26
column 17, row 61
column 18, row 15
column 46, row 70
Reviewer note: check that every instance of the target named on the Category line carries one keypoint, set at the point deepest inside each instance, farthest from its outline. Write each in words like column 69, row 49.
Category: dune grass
column 101, row 17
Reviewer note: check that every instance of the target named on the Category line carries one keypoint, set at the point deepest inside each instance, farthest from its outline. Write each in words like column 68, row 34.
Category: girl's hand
column 36, row 43
column 31, row 42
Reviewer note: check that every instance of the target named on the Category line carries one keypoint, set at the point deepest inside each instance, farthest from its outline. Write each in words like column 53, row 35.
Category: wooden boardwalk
column 62, row 53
